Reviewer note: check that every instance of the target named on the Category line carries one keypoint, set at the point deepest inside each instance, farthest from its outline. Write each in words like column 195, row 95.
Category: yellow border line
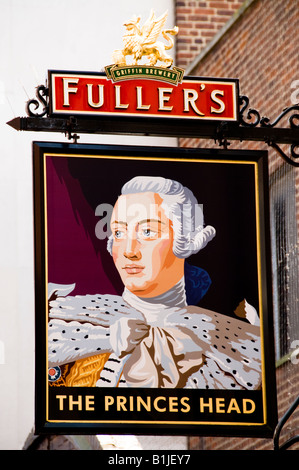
column 183, row 160
column 259, row 269
column 218, row 423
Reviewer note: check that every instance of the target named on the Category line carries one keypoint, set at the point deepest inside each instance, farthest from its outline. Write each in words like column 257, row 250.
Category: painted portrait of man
column 155, row 333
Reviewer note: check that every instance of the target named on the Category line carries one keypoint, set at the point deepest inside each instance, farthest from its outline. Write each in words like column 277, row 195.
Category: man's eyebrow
column 119, row 222
column 151, row 220
column 143, row 221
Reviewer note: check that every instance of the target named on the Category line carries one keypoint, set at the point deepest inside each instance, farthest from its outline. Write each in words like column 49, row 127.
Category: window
column 284, row 220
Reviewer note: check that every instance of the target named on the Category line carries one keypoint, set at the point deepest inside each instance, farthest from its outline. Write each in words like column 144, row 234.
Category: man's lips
column 133, row 268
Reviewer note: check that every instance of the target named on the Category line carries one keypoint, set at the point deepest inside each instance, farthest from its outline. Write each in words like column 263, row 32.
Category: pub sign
column 139, row 91
column 153, row 296
column 153, row 305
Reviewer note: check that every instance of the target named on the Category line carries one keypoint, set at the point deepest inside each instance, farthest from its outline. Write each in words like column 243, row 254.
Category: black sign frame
column 182, row 420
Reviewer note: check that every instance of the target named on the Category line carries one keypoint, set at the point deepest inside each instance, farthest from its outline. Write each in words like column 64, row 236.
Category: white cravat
column 154, row 353
column 153, row 307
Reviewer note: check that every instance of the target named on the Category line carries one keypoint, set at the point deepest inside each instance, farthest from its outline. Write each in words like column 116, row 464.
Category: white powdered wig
column 181, row 207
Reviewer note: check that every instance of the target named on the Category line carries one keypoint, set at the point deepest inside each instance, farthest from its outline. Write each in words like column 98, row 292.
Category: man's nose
column 132, row 250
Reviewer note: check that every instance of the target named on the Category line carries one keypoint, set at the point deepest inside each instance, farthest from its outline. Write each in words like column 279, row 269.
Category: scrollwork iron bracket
column 253, row 119
column 250, row 126
column 42, row 95
column 292, row 440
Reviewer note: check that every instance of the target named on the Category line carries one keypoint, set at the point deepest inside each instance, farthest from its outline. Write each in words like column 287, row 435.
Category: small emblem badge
column 54, row 373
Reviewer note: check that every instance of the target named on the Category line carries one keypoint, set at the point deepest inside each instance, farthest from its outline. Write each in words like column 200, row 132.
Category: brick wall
column 260, row 49
column 198, row 22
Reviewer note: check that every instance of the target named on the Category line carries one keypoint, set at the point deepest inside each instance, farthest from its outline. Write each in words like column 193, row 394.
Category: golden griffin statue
column 143, row 41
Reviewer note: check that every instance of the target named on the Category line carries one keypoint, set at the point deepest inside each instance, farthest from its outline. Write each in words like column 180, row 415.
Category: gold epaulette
column 84, row 372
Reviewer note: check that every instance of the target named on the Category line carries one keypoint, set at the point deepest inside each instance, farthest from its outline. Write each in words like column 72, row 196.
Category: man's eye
column 148, row 233
column 118, row 234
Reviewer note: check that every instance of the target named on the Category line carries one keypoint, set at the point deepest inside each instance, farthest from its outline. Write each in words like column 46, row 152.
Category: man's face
column 142, row 245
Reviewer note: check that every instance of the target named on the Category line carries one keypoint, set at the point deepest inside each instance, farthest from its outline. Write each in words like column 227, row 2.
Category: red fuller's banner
column 143, row 91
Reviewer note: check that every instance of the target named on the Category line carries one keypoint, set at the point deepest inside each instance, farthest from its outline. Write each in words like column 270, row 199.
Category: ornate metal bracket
column 253, row 119
column 250, row 126
column 280, row 425
column 42, row 94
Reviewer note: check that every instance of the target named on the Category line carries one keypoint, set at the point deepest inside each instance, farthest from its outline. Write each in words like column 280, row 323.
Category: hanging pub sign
column 153, row 279
column 153, row 297
column 141, row 87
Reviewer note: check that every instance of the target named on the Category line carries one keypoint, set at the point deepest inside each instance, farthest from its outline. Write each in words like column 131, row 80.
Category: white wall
column 37, row 35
